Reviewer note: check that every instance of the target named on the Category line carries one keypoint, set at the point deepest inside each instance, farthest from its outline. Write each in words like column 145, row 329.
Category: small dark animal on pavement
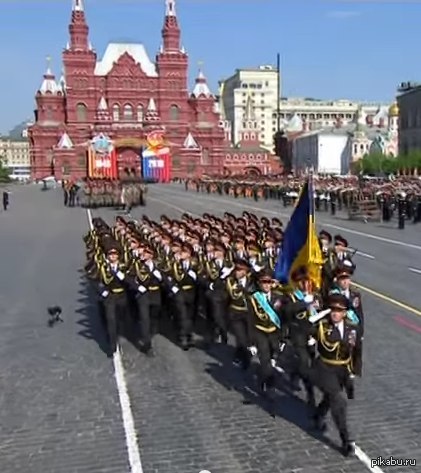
column 55, row 315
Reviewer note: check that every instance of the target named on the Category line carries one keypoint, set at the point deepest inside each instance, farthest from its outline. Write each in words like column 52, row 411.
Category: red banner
column 102, row 166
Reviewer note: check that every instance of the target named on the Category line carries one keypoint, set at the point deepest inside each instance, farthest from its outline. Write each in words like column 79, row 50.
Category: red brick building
column 249, row 156
column 124, row 96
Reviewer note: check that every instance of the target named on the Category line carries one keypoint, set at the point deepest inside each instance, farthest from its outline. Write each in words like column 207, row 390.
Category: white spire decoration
column 103, row 106
column 170, row 8
column 190, row 142
column 65, row 142
column 151, row 105
column 78, row 5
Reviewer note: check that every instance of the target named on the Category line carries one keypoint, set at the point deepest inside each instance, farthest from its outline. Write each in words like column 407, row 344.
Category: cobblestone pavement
column 189, row 407
column 59, row 407
column 192, row 410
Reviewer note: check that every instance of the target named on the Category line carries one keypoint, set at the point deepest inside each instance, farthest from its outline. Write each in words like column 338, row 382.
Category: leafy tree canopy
column 377, row 163
column 4, row 171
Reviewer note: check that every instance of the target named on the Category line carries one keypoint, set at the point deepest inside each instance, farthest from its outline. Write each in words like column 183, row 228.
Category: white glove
column 211, row 286
column 192, row 274
column 318, row 316
column 273, row 362
column 282, row 346
column 311, row 342
column 309, row 299
column 120, row 275
column 104, row 293
column 226, row 272
column 253, row 351
column 352, row 376
column 157, row 274
column 142, row 289
column 174, row 289
column 257, row 268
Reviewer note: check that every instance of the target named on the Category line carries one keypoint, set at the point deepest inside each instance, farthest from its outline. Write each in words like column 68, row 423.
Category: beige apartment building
column 15, row 155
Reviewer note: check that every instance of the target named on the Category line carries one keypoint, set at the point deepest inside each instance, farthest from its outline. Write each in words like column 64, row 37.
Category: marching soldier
column 111, row 278
column 147, row 279
column 238, row 286
column 299, row 329
column 265, row 325
column 184, row 275
column 339, row 343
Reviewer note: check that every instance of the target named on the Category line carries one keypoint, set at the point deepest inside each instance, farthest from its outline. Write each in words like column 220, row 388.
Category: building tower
column 49, row 119
column 394, row 118
column 249, row 131
column 79, row 65
column 172, row 66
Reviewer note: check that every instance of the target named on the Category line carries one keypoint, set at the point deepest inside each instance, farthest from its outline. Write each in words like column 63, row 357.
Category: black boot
column 347, row 448
column 319, row 423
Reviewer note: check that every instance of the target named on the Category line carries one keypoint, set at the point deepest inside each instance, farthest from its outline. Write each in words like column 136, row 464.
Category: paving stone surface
column 59, row 408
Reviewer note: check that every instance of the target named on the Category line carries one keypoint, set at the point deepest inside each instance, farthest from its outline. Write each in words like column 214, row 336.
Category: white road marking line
column 366, row 460
column 415, row 270
column 126, row 410
column 323, row 224
column 360, row 253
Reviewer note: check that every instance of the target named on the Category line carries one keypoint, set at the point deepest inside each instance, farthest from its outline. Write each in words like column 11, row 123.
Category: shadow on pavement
column 281, row 403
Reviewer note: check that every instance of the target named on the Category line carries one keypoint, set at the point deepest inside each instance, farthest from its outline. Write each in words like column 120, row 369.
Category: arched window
column 116, row 113
column 174, row 113
column 81, row 112
column 140, row 113
column 128, row 113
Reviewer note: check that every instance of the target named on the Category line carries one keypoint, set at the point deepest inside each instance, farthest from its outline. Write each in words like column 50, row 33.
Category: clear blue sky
column 330, row 49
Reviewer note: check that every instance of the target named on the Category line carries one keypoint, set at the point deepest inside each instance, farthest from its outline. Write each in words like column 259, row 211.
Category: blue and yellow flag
column 301, row 246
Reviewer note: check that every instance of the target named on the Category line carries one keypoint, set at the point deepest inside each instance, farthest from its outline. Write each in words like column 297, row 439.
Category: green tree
column 4, row 171
column 410, row 161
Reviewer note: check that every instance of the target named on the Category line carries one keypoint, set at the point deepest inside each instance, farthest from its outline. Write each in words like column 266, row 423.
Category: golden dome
column 394, row 110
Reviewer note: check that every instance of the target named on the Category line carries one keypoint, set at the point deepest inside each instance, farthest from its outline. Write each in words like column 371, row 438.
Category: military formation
column 113, row 193
column 221, row 270
column 400, row 197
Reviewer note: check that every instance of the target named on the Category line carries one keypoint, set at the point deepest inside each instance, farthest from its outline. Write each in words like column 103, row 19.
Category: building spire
column 171, row 32
column 78, row 5
column 78, row 28
column 170, row 8
column 201, row 88
column 48, row 70
column 49, row 84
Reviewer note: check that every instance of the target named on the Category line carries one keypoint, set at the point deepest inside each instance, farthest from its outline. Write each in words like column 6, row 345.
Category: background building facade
column 333, row 150
column 296, row 114
column 15, row 152
column 409, row 108
column 124, row 96
column 261, row 86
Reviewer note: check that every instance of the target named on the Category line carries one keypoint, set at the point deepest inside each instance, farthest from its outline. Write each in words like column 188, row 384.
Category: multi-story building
column 296, row 114
column 333, row 150
column 261, row 85
column 124, row 98
column 15, row 155
column 409, row 109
